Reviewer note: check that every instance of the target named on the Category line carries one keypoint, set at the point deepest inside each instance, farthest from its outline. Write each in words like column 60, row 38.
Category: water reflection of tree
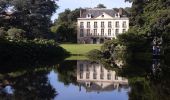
column 146, row 85
column 67, row 72
column 33, row 84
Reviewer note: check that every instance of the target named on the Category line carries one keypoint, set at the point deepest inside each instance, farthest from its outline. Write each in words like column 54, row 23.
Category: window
column 88, row 15
column 88, row 24
column 81, row 24
column 81, row 75
column 94, row 68
column 124, row 24
column 109, row 76
column 102, row 15
column 116, row 78
column 94, row 76
column 109, row 24
column 124, row 30
column 117, row 24
column 102, row 32
column 101, row 76
column 87, row 68
column 81, row 32
column 101, row 69
column 88, row 32
column 117, row 32
column 87, row 75
column 109, row 32
column 95, row 32
column 95, row 24
column 81, row 67
column 102, row 24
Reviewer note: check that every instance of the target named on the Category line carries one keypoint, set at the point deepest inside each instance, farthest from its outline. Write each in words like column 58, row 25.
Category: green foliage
column 134, row 42
column 101, row 6
column 32, row 16
column 140, row 90
column 66, row 32
column 147, row 19
column 65, row 28
column 23, row 83
column 2, row 33
column 95, row 54
column 15, row 33
column 30, row 51
column 127, row 46
column 66, row 72
column 109, row 45
column 150, row 18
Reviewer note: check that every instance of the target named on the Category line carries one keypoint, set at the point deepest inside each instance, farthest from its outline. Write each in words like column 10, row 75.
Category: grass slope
column 80, row 49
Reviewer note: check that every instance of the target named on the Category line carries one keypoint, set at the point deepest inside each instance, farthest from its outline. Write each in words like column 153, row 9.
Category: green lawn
column 80, row 49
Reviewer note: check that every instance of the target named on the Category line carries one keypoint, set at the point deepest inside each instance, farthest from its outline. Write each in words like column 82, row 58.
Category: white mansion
column 99, row 24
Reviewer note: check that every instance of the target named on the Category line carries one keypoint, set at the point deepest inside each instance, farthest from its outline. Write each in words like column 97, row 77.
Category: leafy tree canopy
column 33, row 16
column 101, row 6
column 65, row 27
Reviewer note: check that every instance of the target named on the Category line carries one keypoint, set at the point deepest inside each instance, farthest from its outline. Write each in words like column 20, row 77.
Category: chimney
column 80, row 12
column 121, row 11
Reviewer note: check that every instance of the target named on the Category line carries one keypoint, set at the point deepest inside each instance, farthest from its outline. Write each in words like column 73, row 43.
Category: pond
column 86, row 80
column 89, row 81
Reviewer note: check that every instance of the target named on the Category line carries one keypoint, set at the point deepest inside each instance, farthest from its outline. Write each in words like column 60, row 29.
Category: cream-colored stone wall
column 100, row 19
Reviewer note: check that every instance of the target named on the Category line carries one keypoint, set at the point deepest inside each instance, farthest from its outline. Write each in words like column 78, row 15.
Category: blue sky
column 72, row 4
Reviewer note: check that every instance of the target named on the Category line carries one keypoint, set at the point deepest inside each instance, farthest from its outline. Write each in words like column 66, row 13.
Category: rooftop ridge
column 98, row 9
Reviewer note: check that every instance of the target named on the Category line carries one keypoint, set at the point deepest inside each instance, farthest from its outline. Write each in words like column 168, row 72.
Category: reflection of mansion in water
column 94, row 77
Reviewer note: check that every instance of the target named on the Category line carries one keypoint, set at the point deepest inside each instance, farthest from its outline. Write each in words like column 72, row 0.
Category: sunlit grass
column 80, row 49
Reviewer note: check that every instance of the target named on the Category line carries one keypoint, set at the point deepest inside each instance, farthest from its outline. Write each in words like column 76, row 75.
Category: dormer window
column 89, row 16
column 102, row 15
column 117, row 15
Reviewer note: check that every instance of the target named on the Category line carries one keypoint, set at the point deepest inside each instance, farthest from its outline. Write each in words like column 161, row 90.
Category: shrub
column 135, row 42
column 15, row 33
column 30, row 51
column 109, row 45
column 2, row 32
column 95, row 54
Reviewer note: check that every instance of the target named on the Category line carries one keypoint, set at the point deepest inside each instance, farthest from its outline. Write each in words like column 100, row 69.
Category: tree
column 101, row 6
column 33, row 16
column 65, row 28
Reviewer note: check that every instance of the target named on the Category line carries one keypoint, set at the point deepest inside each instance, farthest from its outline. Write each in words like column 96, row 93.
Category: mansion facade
column 100, row 24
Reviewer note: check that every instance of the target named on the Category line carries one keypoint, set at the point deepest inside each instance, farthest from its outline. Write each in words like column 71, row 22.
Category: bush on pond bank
column 95, row 54
column 30, row 51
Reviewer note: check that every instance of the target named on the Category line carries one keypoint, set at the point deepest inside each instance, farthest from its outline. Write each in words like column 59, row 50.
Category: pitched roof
column 95, row 12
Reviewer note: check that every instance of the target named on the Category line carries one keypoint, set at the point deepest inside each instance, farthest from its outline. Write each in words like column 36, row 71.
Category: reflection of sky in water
column 8, row 90
column 72, row 92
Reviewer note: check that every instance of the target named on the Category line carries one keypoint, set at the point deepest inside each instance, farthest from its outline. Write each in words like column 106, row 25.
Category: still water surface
column 93, row 82
column 87, row 80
